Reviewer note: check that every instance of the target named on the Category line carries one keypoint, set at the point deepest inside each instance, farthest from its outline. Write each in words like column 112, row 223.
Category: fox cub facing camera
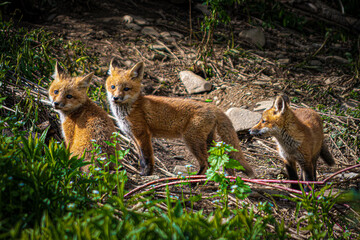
column 299, row 137
column 81, row 120
column 144, row 117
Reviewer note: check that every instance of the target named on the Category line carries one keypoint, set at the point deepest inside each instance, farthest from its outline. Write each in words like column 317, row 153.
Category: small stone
column 165, row 34
column 177, row 34
column 180, row 169
column 223, row 87
column 284, row 61
column 158, row 47
column 140, row 21
column 128, row 63
column 260, row 83
column 315, row 63
column 101, row 34
column 337, row 59
column 194, row 83
column 170, row 39
column 261, row 106
column 243, row 119
column 255, row 36
column 133, row 26
column 150, row 31
column 330, row 80
column 128, row 19
column 264, row 77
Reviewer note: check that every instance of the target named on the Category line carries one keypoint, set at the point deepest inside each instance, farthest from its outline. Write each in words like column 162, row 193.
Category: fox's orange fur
column 82, row 120
column 144, row 117
column 299, row 136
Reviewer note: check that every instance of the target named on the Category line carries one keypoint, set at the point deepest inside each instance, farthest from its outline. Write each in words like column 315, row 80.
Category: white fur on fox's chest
column 62, row 120
column 120, row 115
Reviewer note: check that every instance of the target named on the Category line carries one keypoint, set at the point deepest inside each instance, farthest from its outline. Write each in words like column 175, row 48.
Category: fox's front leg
column 292, row 173
column 143, row 139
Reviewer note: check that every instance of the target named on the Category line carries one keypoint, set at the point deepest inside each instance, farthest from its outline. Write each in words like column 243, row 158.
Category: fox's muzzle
column 255, row 132
column 58, row 105
column 118, row 99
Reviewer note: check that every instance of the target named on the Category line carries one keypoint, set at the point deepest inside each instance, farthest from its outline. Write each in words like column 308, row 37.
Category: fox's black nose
column 118, row 98
column 56, row 103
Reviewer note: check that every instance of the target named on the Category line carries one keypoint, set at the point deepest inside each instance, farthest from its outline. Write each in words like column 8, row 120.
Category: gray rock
column 150, row 31
column 284, row 61
column 260, row 83
column 167, row 37
column 165, row 34
column 133, row 26
column 140, row 21
column 158, row 47
column 337, row 59
column 182, row 170
column 194, row 83
column 243, row 119
column 128, row 19
column 315, row 63
column 261, row 106
column 101, row 34
column 128, row 63
column 176, row 34
column 255, row 36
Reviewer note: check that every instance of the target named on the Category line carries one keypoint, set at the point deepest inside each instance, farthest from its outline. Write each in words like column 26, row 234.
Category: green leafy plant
column 219, row 159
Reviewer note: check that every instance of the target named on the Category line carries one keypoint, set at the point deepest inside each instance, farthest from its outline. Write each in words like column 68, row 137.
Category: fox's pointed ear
column 113, row 64
column 84, row 82
column 137, row 72
column 280, row 104
column 57, row 71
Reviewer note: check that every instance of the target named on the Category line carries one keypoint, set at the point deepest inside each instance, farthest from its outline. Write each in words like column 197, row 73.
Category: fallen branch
column 265, row 182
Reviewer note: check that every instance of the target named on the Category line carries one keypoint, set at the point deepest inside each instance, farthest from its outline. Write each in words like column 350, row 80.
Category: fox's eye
column 126, row 89
column 69, row 96
column 56, row 91
column 112, row 87
column 263, row 121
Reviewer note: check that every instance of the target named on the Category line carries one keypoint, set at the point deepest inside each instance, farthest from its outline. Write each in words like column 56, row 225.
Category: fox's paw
column 147, row 171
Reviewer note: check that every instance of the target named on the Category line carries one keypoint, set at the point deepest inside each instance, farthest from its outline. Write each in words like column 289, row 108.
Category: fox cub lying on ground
column 144, row 117
column 81, row 119
column 299, row 137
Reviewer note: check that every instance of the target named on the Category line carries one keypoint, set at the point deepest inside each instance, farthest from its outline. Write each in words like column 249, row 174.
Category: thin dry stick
column 164, row 170
column 265, row 182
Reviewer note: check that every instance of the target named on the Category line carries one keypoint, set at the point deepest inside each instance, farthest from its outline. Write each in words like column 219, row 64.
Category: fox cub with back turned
column 299, row 137
column 81, row 120
column 144, row 117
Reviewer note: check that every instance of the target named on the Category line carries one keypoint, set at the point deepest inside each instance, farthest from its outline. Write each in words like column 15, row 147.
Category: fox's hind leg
column 198, row 148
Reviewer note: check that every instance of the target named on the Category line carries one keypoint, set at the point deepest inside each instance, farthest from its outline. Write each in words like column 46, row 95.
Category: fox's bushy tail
column 326, row 155
column 227, row 134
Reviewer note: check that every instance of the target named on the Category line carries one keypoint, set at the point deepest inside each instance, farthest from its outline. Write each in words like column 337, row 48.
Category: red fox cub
column 82, row 120
column 144, row 117
column 299, row 137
